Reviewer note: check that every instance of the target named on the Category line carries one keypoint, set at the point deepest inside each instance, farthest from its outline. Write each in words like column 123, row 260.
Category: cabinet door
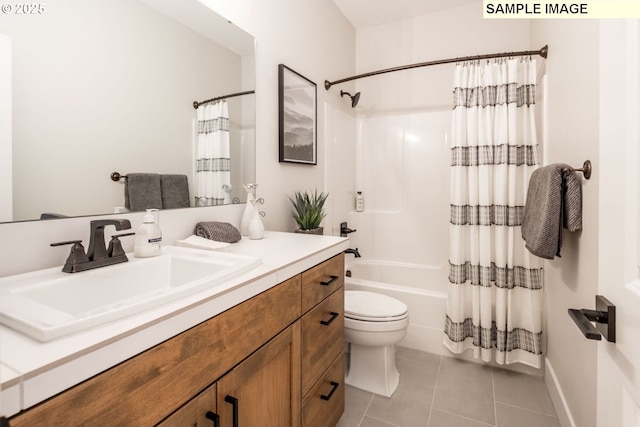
column 198, row 412
column 264, row 390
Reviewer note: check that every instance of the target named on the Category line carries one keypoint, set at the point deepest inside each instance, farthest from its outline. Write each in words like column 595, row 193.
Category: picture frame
column 297, row 114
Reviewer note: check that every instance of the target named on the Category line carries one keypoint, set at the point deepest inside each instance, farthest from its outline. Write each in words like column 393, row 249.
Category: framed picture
column 297, row 116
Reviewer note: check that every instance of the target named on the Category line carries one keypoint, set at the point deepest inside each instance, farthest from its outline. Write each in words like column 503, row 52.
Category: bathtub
column 421, row 287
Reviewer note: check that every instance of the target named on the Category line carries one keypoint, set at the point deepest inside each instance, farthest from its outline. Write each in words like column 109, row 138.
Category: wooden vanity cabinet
column 261, row 391
column 264, row 390
column 253, row 352
column 198, row 412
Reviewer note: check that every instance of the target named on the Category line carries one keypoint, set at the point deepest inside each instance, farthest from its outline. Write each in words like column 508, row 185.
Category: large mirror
column 103, row 86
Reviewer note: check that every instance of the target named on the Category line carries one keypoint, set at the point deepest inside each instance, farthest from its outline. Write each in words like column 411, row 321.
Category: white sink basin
column 47, row 304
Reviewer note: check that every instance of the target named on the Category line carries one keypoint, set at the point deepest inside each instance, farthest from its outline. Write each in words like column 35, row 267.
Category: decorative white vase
column 256, row 228
column 249, row 208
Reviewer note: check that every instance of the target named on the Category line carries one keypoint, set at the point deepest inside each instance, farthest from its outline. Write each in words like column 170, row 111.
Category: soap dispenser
column 148, row 237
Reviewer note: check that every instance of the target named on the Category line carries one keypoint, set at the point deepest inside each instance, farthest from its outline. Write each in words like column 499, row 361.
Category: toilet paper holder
column 604, row 315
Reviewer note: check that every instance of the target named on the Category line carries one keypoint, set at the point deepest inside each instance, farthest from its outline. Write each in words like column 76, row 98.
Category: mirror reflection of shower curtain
column 495, row 297
column 213, row 164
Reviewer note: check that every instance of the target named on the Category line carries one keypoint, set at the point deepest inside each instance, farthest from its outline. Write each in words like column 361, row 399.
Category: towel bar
column 585, row 169
column 115, row 176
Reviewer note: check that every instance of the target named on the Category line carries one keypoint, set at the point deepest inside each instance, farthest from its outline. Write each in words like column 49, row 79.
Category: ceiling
column 369, row 13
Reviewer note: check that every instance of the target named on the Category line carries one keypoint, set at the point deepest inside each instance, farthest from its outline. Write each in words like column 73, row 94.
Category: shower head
column 354, row 99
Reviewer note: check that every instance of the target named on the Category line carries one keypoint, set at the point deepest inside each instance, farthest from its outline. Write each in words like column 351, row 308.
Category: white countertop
column 33, row 371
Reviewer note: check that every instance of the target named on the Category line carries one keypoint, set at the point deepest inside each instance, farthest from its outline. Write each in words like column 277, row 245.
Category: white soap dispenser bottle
column 148, row 238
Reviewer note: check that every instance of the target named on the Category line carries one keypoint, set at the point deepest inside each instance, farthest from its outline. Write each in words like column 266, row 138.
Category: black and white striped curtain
column 213, row 164
column 495, row 299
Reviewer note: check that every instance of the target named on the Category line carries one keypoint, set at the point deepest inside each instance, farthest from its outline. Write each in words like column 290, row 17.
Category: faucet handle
column 115, row 246
column 344, row 229
column 76, row 256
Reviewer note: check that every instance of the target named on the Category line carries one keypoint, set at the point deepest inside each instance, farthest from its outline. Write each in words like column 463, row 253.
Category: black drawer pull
column 234, row 404
column 330, row 281
column 334, row 316
column 213, row 417
column 334, row 386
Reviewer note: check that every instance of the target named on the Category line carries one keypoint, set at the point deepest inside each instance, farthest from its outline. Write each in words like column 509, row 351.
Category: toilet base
column 373, row 369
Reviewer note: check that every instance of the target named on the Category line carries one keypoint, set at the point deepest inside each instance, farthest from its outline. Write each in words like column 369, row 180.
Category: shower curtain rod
column 196, row 104
column 542, row 52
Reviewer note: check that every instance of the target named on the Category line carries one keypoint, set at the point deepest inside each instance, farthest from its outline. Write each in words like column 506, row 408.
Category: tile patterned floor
column 437, row 391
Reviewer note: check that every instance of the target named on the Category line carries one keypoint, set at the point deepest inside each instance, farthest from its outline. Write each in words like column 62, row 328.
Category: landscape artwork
column 297, row 114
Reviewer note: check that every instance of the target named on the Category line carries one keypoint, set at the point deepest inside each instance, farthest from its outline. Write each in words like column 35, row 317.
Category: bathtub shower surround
column 495, row 296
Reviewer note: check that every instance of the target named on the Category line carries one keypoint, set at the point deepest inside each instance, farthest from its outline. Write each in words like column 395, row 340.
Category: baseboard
column 557, row 396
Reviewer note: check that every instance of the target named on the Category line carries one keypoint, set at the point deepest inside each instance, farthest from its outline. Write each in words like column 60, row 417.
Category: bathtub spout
column 354, row 252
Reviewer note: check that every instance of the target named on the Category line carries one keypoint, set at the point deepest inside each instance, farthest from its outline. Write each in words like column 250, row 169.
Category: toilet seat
column 373, row 307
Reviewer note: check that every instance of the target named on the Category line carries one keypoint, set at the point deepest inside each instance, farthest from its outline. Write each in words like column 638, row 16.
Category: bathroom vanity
column 267, row 352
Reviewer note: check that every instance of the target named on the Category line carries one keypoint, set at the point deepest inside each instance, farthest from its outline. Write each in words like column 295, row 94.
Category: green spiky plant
column 308, row 209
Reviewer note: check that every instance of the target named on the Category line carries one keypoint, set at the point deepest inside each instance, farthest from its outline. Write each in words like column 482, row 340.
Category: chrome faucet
column 353, row 251
column 98, row 254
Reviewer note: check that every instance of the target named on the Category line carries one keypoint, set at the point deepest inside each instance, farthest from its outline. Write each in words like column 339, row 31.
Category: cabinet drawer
column 321, row 281
column 322, row 337
column 324, row 404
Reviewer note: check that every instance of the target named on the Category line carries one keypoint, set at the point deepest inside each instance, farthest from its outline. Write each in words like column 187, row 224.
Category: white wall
column 313, row 38
column 571, row 280
column 6, row 168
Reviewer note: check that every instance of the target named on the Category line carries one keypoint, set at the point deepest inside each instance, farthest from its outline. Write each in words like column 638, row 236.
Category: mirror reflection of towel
column 142, row 191
column 175, row 191
column 554, row 201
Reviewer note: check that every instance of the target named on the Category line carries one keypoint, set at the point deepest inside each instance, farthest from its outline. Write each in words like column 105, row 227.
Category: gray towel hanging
column 554, row 201
column 175, row 191
column 142, row 191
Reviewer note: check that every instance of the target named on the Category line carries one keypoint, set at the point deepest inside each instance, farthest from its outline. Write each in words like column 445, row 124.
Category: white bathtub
column 421, row 287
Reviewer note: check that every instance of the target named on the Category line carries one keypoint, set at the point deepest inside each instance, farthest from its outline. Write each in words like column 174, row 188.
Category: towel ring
column 585, row 169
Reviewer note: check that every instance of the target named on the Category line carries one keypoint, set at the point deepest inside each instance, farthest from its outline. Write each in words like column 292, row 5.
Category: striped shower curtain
column 494, row 305
column 213, row 168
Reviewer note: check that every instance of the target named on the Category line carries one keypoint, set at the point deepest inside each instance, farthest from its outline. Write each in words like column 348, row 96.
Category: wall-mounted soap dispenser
column 359, row 202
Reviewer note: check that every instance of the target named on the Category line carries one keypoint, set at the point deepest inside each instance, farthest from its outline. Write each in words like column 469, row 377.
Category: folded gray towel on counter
column 218, row 231
column 142, row 191
column 554, row 200
column 175, row 191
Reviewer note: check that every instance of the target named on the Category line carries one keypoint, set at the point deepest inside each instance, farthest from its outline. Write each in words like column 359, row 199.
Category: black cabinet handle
column 334, row 386
column 213, row 417
column 234, row 403
column 334, row 316
column 330, row 281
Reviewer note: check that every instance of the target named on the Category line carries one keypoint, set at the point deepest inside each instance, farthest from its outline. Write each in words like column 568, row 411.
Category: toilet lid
column 372, row 306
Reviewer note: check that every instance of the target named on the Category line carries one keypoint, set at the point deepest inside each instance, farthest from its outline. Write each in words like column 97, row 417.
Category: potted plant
column 308, row 211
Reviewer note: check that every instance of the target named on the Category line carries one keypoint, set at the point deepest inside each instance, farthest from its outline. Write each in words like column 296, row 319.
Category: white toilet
column 373, row 325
